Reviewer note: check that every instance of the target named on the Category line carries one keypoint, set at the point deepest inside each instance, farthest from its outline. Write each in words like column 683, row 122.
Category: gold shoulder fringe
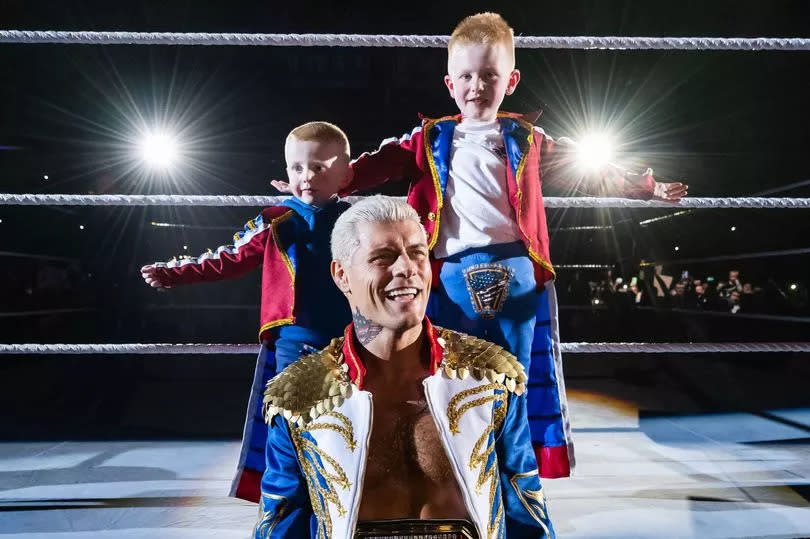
column 465, row 356
column 310, row 387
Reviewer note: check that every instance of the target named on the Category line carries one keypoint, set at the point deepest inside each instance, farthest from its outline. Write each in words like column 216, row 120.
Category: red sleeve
column 641, row 186
column 395, row 159
column 226, row 262
column 557, row 158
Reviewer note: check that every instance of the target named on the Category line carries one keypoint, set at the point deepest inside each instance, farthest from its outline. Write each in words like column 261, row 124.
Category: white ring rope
column 571, row 348
column 409, row 41
column 30, row 199
column 681, row 348
column 583, row 266
column 580, row 228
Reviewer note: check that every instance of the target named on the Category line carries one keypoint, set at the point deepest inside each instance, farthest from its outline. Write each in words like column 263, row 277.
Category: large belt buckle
column 488, row 285
column 410, row 528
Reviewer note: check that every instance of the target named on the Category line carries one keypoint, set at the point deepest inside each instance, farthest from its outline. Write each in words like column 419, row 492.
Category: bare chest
column 408, row 474
column 405, row 445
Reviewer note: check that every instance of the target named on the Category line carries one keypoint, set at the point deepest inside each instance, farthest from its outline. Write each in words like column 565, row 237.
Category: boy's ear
column 348, row 179
column 448, row 81
column 514, row 79
column 339, row 277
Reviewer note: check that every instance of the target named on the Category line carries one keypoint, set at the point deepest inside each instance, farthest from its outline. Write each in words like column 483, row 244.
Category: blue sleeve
column 526, row 514
column 284, row 507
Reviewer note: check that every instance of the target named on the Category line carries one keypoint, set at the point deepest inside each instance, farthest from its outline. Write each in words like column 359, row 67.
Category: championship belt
column 488, row 285
column 411, row 528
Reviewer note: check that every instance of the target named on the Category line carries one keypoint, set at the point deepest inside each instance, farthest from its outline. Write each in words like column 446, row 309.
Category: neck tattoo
column 365, row 329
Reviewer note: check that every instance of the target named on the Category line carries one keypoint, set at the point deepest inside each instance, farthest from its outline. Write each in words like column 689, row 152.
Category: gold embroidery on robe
column 533, row 500
column 268, row 520
column 484, row 447
column 323, row 473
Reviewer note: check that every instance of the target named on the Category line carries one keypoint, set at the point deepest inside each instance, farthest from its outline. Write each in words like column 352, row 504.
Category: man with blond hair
column 300, row 307
column 399, row 428
column 475, row 180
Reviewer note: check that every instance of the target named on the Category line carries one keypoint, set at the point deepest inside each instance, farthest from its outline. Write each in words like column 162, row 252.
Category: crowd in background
column 652, row 286
column 63, row 300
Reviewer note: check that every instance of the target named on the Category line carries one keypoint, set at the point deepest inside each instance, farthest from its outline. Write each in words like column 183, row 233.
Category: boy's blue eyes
column 467, row 76
column 299, row 168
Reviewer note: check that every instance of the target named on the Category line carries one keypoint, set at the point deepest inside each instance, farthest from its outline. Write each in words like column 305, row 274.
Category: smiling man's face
column 387, row 280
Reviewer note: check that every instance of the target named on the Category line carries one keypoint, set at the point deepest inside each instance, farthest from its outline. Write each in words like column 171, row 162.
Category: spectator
column 579, row 290
column 678, row 294
column 661, row 283
column 733, row 300
column 638, row 297
column 701, row 299
column 724, row 288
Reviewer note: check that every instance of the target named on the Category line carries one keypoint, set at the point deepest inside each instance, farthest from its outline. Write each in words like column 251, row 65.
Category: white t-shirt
column 476, row 209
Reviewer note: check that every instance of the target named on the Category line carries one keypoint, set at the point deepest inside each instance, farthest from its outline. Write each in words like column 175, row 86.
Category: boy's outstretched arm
column 396, row 158
column 557, row 162
column 226, row 262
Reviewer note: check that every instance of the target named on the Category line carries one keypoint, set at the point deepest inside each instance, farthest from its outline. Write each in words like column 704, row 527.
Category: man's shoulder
column 309, row 387
column 465, row 355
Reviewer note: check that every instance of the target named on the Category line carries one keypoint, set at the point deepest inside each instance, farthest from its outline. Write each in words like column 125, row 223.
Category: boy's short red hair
column 486, row 28
column 322, row 132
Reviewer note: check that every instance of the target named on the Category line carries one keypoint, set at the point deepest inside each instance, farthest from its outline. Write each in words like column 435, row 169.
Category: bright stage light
column 595, row 151
column 159, row 150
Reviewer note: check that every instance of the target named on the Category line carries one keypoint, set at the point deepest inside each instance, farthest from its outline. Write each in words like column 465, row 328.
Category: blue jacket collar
column 308, row 211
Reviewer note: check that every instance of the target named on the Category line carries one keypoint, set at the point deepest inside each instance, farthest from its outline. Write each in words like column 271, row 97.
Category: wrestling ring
column 643, row 470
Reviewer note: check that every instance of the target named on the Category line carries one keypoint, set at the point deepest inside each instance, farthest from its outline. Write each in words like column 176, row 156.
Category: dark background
column 727, row 123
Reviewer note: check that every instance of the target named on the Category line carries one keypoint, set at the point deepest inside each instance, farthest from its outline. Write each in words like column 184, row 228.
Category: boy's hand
column 149, row 275
column 671, row 192
column 281, row 185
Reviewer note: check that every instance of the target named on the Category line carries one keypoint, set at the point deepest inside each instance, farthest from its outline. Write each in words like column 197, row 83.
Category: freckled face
column 316, row 170
column 479, row 77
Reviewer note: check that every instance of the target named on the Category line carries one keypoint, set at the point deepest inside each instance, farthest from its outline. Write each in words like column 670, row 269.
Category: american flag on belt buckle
column 488, row 285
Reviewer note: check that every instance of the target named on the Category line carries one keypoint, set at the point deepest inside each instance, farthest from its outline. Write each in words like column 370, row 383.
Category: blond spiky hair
column 322, row 132
column 486, row 28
